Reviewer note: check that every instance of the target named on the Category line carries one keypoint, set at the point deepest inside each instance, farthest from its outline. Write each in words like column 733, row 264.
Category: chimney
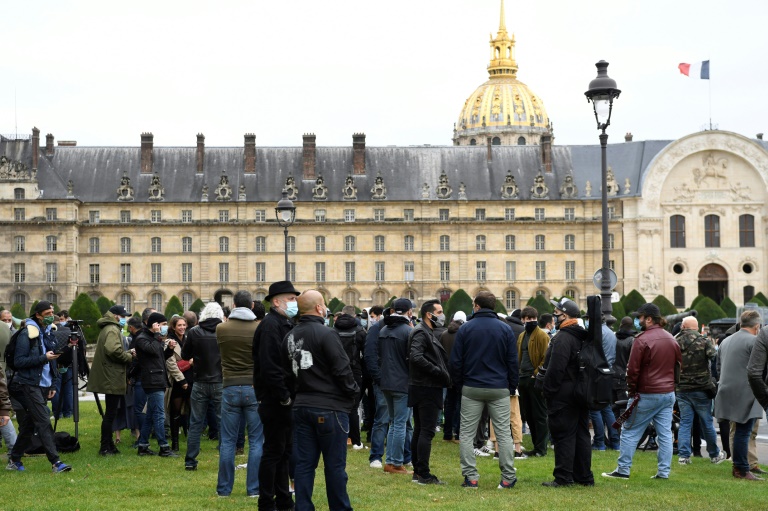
column 250, row 153
column 759, row 136
column 628, row 137
column 200, row 152
column 546, row 152
column 146, row 152
column 35, row 147
column 489, row 156
column 49, row 145
column 358, row 153
column 309, row 156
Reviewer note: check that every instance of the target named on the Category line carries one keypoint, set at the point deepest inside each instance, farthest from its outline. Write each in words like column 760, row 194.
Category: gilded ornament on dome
column 223, row 191
column 125, row 190
column 291, row 188
column 350, row 190
column 443, row 190
column 379, row 191
column 320, row 191
column 568, row 189
column 509, row 189
column 156, row 190
column 539, row 189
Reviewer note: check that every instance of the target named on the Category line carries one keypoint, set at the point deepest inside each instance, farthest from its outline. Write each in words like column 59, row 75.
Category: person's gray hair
column 211, row 311
column 243, row 299
column 348, row 309
column 749, row 319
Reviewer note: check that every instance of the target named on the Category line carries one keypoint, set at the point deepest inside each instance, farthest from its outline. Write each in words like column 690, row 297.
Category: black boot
column 166, row 452
column 175, row 433
column 145, row 451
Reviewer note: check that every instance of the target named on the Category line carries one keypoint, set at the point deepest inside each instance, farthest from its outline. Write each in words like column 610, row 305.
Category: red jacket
column 654, row 362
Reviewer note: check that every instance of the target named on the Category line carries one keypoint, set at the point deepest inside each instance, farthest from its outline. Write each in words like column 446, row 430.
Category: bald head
column 309, row 301
column 690, row 323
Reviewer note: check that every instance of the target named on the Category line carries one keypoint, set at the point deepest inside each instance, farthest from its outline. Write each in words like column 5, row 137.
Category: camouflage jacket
column 698, row 351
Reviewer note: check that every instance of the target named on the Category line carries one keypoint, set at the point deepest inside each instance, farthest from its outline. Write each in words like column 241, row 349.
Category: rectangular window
column 569, row 214
column 570, row 270
column 445, row 215
column 612, row 264
column 712, row 231
column 223, row 272
column 51, row 272
column 291, row 244
column 260, row 215
column 93, row 245
column 125, row 216
column 125, row 273
column 156, row 245
column 157, row 273
column 93, row 271
column 19, row 214
column 156, row 216
column 677, row 231
column 349, row 215
column 379, row 271
column 223, row 215
column 408, row 215
column 570, row 242
column 19, row 272
column 349, row 243
column 186, row 272
column 186, row 216
column 511, row 270
column 319, row 215
column 349, row 272
column 445, row 271
column 51, row 243
column 611, row 212
column 51, row 214
column 680, row 296
column 93, row 217
column 480, row 267
column 320, row 272
column 319, row 243
column 186, row 244
column 378, row 243
column 479, row 214
column 541, row 270
column 509, row 214
column 746, row 231
column 408, row 271
column 292, row 272
column 378, row 215
column 19, row 243
column 538, row 214
column 408, row 243
column 261, row 272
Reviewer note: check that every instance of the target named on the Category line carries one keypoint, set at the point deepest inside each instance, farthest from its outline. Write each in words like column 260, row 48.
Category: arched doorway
column 713, row 282
column 224, row 297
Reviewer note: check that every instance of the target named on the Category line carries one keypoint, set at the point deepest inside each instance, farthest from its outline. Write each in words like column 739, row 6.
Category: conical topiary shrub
column 542, row 305
column 728, row 307
column 708, row 310
column 85, row 309
column 459, row 301
column 173, row 307
column 633, row 301
column 618, row 313
column 665, row 306
column 197, row 306
column 104, row 303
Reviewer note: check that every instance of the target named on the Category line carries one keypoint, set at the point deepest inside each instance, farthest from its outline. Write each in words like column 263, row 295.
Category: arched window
column 350, row 297
column 51, row 243
column 156, row 301
column 510, row 299
column 444, row 295
column 19, row 243
column 157, row 245
column 570, row 242
column 291, row 243
column 521, row 141
column 749, row 293
column 223, row 244
column 125, row 245
column 319, row 243
column 187, row 299
column 472, row 141
column 52, row 297
column 378, row 243
column 570, row 293
column 21, row 299
column 496, row 141
column 677, row 231
column 18, row 193
column 349, row 245
column 540, row 245
column 746, row 231
column 480, row 242
column 125, row 300
column 445, row 243
column 261, row 244
column 510, row 242
column 712, row 231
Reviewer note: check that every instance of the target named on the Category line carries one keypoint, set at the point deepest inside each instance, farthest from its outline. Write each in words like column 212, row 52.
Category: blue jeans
column 155, row 418
column 63, row 395
column 202, row 395
column 740, row 445
column 602, row 420
column 321, row 431
column 237, row 401
column 656, row 408
column 380, row 425
column 693, row 404
column 400, row 429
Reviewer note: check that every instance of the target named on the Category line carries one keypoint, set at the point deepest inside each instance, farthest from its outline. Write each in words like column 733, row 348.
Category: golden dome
column 503, row 108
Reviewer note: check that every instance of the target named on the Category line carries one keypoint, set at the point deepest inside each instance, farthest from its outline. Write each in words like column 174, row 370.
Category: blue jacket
column 371, row 352
column 393, row 354
column 484, row 354
column 28, row 359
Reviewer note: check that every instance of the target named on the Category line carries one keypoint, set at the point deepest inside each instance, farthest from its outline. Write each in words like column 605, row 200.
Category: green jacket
column 110, row 362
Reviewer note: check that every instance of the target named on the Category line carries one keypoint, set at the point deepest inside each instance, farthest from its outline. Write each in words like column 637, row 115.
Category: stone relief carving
column 350, row 190
column 627, row 187
column 424, row 191
column 611, row 185
column 568, row 189
column 739, row 193
column 588, row 189
column 539, row 189
column 320, row 191
column 379, row 191
column 223, row 191
column 712, row 171
column 650, row 281
column 156, row 190
column 14, row 170
column 509, row 189
column 684, row 193
column 204, row 197
column 707, row 211
column 241, row 193
column 462, row 191
column 125, row 190
column 291, row 188
column 443, row 189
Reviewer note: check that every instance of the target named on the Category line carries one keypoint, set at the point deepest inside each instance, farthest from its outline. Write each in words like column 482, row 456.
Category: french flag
column 695, row 70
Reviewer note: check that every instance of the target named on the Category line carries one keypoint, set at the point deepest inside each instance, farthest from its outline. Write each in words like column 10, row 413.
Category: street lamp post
column 602, row 91
column 286, row 215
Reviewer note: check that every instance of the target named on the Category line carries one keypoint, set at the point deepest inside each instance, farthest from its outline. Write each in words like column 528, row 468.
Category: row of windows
column 711, row 231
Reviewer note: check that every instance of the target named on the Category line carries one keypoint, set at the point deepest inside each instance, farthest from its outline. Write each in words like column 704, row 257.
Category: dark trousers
column 354, row 418
column 569, row 428
column 426, row 403
column 274, row 490
column 725, row 436
column 33, row 399
column 533, row 406
column 369, row 404
column 450, row 415
column 111, row 404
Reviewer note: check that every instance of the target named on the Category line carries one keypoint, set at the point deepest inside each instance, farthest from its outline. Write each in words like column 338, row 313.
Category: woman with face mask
column 180, row 379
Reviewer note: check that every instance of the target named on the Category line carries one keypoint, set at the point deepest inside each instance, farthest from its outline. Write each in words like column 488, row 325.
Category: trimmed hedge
column 633, row 301
column 197, row 306
column 85, row 309
column 728, row 307
column 708, row 310
column 542, row 305
column 459, row 301
column 173, row 307
column 665, row 306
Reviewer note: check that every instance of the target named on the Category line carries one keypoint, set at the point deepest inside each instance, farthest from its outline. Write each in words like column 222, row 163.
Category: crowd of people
column 293, row 384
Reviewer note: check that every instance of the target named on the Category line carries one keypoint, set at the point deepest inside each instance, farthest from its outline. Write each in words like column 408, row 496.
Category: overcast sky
column 102, row 72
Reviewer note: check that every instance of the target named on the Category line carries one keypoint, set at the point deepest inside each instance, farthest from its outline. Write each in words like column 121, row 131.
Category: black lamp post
column 602, row 91
column 286, row 215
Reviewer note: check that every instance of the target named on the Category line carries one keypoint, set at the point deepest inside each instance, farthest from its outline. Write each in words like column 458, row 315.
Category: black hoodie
column 353, row 339
column 201, row 345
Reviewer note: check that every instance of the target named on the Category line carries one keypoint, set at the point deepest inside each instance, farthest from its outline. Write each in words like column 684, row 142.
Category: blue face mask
column 637, row 324
column 586, row 323
column 164, row 330
column 291, row 309
column 121, row 321
column 364, row 322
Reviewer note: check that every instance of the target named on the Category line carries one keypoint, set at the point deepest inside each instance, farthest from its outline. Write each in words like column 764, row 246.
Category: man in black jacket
column 380, row 426
column 427, row 376
column 568, row 421
column 273, row 382
column 202, row 348
column 325, row 391
column 353, row 339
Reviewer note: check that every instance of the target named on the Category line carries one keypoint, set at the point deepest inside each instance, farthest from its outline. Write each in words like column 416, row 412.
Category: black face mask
column 558, row 319
column 530, row 326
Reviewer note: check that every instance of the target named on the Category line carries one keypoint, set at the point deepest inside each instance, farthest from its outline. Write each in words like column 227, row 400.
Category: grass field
column 130, row 482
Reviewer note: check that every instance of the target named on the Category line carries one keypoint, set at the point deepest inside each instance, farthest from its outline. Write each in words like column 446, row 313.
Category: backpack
column 10, row 350
column 594, row 381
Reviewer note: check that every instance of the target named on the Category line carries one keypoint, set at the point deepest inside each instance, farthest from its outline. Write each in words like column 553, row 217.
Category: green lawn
column 128, row 482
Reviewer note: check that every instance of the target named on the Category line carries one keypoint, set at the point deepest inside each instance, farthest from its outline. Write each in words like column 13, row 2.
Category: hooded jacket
column 562, row 366
column 110, row 361
column 235, row 341
column 29, row 360
column 353, row 339
column 201, row 345
column 393, row 353
column 371, row 358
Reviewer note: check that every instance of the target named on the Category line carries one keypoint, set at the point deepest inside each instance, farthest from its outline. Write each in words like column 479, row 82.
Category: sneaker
column 107, row 452
column 487, row 450
column 504, row 485
column 253, row 496
column 432, row 479
column 615, row 475
column 480, row 452
column 719, row 458
column 408, row 465
column 15, row 465
column 166, row 452
column 687, row 461
column 415, row 478
column 358, row 447
column 657, row 476
column 190, row 467
column 437, row 429
column 376, row 464
column 521, row 456
column 60, row 466
column 145, row 451
column 469, row 483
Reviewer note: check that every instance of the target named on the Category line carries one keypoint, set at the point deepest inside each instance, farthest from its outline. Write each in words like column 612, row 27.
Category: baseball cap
column 460, row 316
column 119, row 310
column 402, row 305
column 568, row 306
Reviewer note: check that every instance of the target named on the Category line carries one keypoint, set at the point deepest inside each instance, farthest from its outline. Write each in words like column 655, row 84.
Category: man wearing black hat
column 108, row 371
column 34, row 380
column 272, row 377
column 568, row 420
column 652, row 372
